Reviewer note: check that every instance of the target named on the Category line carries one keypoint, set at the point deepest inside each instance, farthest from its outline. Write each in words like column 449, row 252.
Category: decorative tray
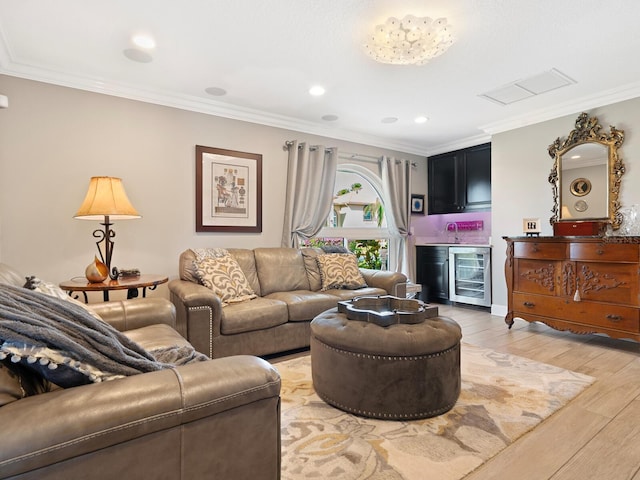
column 385, row 310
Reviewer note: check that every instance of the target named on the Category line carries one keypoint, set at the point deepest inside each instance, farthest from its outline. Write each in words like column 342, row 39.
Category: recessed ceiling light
column 144, row 41
column 137, row 55
column 216, row 91
column 316, row 90
column 389, row 120
column 421, row 119
column 329, row 118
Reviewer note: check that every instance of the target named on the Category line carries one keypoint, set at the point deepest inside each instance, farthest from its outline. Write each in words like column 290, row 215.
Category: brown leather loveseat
column 288, row 287
column 211, row 419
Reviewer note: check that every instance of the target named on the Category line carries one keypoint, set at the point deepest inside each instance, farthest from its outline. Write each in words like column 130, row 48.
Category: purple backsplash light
column 433, row 228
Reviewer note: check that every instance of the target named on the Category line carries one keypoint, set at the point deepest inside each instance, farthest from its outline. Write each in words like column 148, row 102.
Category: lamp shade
column 106, row 197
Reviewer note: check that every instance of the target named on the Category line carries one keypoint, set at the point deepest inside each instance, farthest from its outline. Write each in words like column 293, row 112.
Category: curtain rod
column 364, row 158
column 346, row 155
column 289, row 143
column 357, row 156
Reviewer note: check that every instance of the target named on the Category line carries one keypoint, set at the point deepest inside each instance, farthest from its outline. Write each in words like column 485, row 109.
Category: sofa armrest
column 392, row 282
column 65, row 424
column 198, row 313
column 136, row 313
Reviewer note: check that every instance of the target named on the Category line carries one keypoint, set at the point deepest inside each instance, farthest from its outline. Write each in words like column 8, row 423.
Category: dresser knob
column 529, row 304
column 614, row 318
column 599, row 251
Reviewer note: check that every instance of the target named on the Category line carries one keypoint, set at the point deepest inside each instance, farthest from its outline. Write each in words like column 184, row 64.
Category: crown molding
column 220, row 109
column 608, row 97
column 199, row 105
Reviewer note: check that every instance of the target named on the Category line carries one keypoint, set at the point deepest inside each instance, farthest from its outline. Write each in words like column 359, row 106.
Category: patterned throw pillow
column 340, row 270
column 48, row 288
column 53, row 365
column 224, row 276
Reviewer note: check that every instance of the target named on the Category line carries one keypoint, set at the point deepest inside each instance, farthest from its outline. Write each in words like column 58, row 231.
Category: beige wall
column 520, row 166
column 53, row 139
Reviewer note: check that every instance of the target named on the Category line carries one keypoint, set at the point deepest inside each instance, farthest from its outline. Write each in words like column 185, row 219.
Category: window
column 357, row 219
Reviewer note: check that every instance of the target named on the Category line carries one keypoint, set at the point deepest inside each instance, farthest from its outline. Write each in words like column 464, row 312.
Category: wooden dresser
column 580, row 284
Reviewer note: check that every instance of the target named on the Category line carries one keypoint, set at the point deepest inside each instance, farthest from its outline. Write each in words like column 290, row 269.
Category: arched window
column 357, row 219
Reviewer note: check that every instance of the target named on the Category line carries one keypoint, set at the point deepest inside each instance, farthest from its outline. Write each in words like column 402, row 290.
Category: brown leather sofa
column 214, row 419
column 288, row 284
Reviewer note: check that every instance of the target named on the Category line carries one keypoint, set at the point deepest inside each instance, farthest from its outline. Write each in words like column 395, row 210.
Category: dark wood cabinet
column 580, row 284
column 432, row 272
column 460, row 181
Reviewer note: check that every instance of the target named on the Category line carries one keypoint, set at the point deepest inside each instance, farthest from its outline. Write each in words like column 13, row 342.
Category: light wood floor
column 597, row 435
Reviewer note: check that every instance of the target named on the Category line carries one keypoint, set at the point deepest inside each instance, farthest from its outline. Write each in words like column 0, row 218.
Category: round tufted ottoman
column 397, row 372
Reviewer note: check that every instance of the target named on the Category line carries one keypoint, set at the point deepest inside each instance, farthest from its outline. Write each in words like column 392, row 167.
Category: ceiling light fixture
column 421, row 119
column 410, row 41
column 316, row 91
column 144, row 41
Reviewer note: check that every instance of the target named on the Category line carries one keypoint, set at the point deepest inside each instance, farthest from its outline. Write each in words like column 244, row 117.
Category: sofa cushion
column 305, row 305
column 257, row 314
column 156, row 337
column 349, row 294
column 340, row 270
column 247, row 262
column 280, row 270
column 224, row 276
column 310, row 255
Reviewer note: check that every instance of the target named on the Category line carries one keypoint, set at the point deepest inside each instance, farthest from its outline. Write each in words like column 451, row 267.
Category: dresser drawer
column 536, row 276
column 604, row 252
column 587, row 313
column 540, row 250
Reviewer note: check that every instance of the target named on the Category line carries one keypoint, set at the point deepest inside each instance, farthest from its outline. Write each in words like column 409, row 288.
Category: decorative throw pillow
column 37, row 285
column 224, row 276
column 340, row 270
column 53, row 365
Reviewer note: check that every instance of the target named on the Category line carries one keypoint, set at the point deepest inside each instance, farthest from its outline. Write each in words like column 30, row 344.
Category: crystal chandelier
column 410, row 41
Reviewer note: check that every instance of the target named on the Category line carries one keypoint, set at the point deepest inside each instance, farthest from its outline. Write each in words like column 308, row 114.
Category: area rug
column 503, row 397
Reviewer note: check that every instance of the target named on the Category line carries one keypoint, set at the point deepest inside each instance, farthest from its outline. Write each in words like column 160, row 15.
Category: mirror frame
column 588, row 131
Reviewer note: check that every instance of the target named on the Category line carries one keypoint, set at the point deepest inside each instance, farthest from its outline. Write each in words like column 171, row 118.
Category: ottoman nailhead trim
column 390, row 416
column 382, row 415
column 387, row 357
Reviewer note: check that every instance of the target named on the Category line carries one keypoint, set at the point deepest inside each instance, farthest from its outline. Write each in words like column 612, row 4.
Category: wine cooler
column 470, row 275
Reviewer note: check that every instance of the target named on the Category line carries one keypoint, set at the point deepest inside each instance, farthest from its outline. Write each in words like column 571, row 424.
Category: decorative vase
column 96, row 271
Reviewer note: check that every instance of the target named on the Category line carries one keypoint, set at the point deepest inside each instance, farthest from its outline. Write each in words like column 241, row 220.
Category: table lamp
column 106, row 200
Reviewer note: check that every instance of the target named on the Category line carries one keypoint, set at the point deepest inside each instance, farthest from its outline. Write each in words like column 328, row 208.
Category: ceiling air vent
column 528, row 87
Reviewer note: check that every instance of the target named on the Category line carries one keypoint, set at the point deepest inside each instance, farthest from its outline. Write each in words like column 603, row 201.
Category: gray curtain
column 396, row 185
column 311, row 176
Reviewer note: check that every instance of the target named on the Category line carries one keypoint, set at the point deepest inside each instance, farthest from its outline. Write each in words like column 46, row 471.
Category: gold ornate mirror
column 586, row 174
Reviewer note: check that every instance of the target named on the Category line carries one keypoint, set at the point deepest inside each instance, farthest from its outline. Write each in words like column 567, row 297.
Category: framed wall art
column 228, row 191
column 417, row 204
column 580, row 187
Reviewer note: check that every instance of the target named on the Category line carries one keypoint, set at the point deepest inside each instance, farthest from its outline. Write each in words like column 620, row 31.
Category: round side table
column 131, row 284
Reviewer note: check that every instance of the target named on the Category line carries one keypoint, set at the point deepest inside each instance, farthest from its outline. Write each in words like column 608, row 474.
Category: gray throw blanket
column 38, row 320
